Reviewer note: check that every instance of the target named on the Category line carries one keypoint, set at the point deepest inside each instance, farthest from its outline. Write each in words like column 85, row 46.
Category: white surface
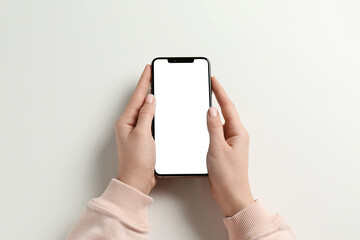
column 67, row 69
column 182, row 102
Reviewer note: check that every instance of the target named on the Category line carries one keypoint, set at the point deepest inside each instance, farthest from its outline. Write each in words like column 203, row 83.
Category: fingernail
column 149, row 98
column 212, row 112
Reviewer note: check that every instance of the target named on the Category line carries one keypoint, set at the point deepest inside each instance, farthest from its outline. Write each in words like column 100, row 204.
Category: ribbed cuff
column 251, row 222
column 126, row 202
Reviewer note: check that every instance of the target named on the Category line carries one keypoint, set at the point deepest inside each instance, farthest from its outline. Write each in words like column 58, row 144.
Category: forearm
column 255, row 222
column 119, row 213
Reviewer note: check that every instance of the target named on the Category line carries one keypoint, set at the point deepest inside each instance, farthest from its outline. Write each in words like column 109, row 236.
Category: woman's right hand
column 227, row 158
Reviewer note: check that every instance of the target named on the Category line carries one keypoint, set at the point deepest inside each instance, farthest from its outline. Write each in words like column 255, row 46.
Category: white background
column 67, row 68
column 182, row 102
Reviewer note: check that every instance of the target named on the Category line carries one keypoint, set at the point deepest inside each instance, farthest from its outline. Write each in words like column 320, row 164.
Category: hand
column 227, row 158
column 136, row 146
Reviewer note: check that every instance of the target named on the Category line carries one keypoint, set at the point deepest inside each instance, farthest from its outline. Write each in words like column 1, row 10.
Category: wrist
column 136, row 183
column 234, row 204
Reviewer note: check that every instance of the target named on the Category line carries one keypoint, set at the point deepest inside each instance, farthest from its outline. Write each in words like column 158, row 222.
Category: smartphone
column 182, row 89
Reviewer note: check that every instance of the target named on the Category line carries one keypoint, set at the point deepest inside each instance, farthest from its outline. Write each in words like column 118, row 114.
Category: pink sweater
column 121, row 213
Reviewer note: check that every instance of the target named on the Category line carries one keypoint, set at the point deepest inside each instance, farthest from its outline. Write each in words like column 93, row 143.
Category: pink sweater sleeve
column 119, row 213
column 256, row 223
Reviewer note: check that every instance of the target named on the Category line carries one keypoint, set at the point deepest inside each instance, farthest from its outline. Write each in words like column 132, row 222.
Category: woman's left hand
column 135, row 143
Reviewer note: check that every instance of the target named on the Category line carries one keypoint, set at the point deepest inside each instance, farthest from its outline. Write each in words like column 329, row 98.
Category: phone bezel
column 179, row 60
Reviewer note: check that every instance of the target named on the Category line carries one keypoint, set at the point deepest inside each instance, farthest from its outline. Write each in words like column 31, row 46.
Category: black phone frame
column 179, row 60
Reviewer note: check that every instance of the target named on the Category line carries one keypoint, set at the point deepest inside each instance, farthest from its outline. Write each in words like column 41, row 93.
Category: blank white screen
column 182, row 101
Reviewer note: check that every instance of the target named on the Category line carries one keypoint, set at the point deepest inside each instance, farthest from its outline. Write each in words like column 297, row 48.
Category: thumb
column 146, row 114
column 215, row 126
